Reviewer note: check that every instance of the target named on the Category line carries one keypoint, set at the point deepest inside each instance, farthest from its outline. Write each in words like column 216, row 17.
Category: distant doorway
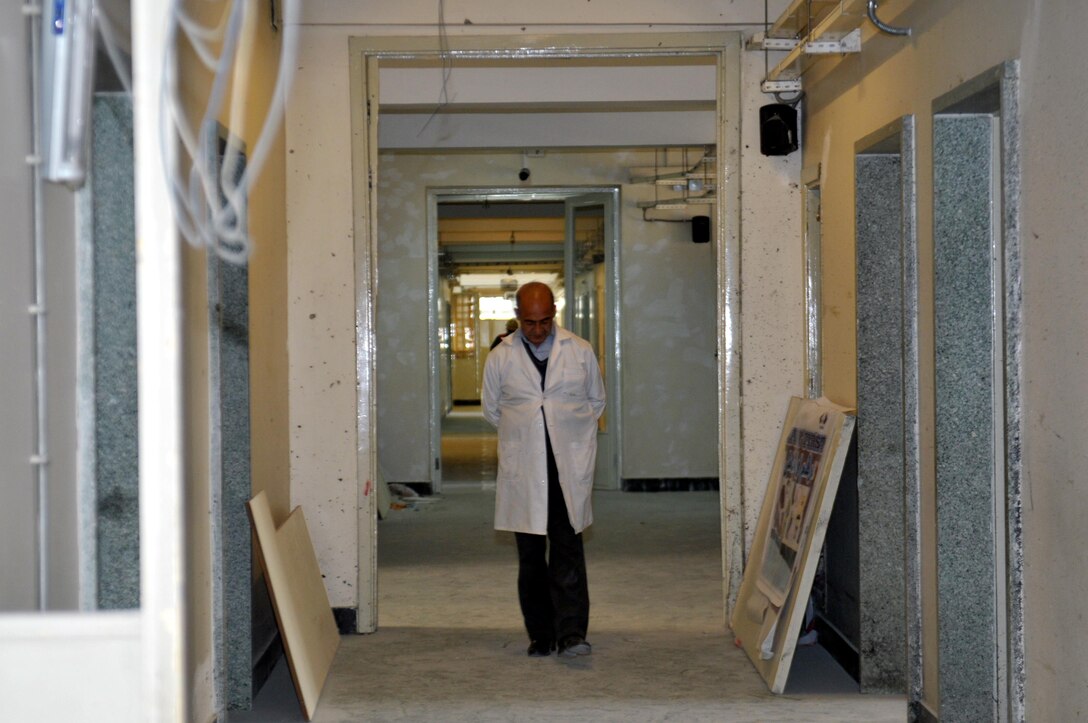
column 484, row 244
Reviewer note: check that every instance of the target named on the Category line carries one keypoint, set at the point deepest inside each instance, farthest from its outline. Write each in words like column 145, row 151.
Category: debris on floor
column 402, row 490
column 408, row 499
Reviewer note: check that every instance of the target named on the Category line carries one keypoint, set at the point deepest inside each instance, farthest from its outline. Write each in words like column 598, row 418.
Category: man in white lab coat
column 543, row 390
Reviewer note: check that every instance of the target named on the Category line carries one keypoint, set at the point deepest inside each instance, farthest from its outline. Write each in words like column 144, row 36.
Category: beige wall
column 267, row 339
column 268, row 297
column 953, row 42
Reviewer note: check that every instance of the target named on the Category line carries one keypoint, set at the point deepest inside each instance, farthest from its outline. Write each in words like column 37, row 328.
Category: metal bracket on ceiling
column 786, row 76
column 781, row 86
column 808, row 29
column 830, row 43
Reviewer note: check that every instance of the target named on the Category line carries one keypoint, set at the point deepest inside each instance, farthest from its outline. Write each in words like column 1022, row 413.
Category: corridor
column 450, row 645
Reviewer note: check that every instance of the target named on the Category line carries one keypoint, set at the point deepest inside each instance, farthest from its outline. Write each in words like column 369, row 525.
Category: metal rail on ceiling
column 812, row 29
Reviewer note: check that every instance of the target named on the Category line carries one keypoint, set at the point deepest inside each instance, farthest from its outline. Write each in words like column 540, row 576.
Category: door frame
column 365, row 57
column 609, row 443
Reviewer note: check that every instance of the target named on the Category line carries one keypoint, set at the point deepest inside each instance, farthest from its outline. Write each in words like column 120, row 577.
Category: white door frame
column 365, row 56
column 608, row 469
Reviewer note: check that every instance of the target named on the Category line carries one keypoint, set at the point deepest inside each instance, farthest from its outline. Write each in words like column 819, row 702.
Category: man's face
column 536, row 313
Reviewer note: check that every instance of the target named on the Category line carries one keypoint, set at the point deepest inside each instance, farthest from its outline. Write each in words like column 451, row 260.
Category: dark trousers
column 552, row 585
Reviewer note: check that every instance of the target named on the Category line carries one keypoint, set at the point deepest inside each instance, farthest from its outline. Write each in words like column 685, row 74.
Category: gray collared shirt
column 545, row 349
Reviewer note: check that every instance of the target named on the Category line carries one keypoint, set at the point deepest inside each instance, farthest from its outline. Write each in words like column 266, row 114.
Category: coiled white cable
column 209, row 198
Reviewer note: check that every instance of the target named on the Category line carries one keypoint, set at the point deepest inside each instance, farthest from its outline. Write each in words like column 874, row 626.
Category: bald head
column 535, row 311
column 530, row 292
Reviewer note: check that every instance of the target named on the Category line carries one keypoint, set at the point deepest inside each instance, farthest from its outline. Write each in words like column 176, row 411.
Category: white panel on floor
column 70, row 666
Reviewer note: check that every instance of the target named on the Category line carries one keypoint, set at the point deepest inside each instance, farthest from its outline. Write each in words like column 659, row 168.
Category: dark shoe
column 540, row 648
column 574, row 645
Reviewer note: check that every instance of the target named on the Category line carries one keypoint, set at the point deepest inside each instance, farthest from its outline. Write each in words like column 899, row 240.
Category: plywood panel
column 298, row 595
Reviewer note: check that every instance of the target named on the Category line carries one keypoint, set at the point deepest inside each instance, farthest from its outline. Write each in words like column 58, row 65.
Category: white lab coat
column 572, row 400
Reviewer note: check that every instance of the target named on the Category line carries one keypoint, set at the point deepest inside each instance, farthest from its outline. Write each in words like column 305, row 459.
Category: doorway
column 367, row 56
column 484, row 244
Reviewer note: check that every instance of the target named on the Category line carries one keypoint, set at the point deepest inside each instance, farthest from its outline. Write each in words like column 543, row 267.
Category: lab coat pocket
column 509, row 459
column 572, row 381
column 583, row 456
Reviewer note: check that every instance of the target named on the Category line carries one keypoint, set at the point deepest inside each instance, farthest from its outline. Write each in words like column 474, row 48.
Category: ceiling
column 547, row 103
column 490, row 238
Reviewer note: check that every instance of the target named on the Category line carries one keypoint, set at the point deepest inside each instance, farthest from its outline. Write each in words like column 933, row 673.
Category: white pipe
column 40, row 459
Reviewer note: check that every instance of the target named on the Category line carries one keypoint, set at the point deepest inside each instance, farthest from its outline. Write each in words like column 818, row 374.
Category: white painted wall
column 690, row 81
column 772, row 298
column 321, row 308
column 668, row 104
column 953, row 42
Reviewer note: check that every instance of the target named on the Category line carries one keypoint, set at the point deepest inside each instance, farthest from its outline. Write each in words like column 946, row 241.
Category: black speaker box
column 700, row 229
column 777, row 129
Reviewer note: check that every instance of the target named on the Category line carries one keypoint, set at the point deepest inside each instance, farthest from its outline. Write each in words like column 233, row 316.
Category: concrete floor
column 450, row 644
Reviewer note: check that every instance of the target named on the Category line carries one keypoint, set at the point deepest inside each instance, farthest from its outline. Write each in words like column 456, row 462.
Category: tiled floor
column 450, row 645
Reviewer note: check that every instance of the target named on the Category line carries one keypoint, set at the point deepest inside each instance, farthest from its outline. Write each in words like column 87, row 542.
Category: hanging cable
column 208, row 196
column 447, row 66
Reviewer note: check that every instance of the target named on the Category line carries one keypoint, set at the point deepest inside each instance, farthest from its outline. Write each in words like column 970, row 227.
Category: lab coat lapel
column 555, row 360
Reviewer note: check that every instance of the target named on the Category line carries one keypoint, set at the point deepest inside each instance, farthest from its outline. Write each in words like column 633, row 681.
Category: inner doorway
column 368, row 55
column 485, row 243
